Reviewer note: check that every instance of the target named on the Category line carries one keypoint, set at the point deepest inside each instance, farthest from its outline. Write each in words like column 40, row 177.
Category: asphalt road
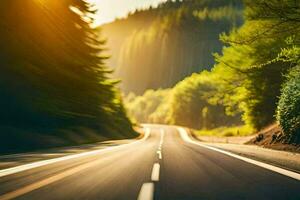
column 163, row 165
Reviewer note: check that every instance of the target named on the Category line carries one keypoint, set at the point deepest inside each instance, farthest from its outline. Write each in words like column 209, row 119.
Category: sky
column 108, row 10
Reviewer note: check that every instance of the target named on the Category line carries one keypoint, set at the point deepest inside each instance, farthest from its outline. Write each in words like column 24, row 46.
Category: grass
column 227, row 131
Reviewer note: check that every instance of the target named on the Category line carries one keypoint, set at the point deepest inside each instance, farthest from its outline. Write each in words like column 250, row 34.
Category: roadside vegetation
column 54, row 86
column 255, row 79
column 224, row 131
column 187, row 104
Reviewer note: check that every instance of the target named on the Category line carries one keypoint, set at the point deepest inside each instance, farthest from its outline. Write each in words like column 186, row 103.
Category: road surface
column 164, row 165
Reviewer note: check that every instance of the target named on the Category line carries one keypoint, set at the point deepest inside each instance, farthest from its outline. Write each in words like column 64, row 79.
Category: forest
column 254, row 81
column 55, row 87
column 158, row 47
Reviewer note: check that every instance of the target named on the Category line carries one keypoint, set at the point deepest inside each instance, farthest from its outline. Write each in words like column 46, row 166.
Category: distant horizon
column 110, row 10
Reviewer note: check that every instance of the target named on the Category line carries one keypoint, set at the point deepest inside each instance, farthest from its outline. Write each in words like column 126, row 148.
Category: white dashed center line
column 146, row 192
column 155, row 172
column 162, row 134
column 159, row 152
column 159, row 155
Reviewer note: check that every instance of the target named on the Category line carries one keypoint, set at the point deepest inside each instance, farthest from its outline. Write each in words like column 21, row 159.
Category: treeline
column 158, row 47
column 54, row 86
column 257, row 73
column 187, row 104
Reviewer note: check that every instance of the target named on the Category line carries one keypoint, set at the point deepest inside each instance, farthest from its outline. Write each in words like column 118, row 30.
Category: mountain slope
column 160, row 46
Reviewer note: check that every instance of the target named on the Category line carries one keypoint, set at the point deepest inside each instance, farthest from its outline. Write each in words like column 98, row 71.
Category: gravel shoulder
column 230, row 140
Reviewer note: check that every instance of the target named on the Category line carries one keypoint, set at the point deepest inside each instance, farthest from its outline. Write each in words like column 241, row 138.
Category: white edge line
column 146, row 192
column 291, row 174
column 21, row 168
column 155, row 172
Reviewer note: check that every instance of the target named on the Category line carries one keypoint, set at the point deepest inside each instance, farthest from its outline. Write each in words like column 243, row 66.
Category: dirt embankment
column 274, row 138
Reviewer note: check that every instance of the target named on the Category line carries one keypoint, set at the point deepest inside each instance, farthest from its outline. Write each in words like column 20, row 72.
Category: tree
column 52, row 76
column 249, row 74
column 190, row 105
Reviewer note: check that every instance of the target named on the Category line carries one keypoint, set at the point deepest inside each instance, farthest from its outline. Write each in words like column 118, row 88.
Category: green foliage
column 249, row 73
column 288, row 111
column 52, row 76
column 149, row 107
column 229, row 12
column 189, row 104
column 186, row 104
column 159, row 47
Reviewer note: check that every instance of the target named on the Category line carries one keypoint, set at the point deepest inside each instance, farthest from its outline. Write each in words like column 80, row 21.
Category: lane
column 285, row 172
column 189, row 171
column 113, row 174
column 43, row 162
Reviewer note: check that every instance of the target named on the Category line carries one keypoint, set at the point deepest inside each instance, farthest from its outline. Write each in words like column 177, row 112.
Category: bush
column 288, row 111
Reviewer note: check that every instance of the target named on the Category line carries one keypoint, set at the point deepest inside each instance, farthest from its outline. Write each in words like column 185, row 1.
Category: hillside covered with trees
column 256, row 76
column 188, row 103
column 157, row 47
column 55, row 88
